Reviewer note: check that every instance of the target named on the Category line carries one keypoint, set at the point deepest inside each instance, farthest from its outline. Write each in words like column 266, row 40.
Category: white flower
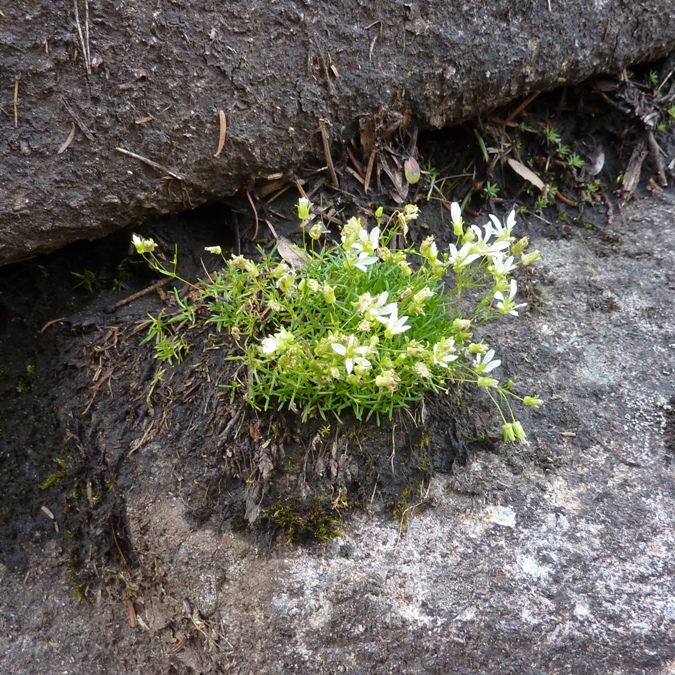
column 504, row 231
column 143, row 245
column 216, row 250
column 280, row 341
column 352, row 353
column 364, row 260
column 393, row 324
column 367, row 243
column 506, row 305
column 463, row 257
column 501, row 267
column 456, row 217
column 482, row 245
column 373, row 308
column 443, row 352
column 484, row 363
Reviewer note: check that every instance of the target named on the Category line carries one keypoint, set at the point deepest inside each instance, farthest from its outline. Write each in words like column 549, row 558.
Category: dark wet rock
column 161, row 73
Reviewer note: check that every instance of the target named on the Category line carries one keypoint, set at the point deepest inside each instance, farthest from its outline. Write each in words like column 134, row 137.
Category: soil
column 145, row 517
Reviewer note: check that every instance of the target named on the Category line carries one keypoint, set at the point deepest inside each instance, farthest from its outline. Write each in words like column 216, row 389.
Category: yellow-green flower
column 143, row 245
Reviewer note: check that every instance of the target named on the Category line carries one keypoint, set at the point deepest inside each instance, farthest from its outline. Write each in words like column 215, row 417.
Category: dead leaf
column 223, row 132
column 401, row 193
column 291, row 253
column 597, row 161
column 527, row 174
column 67, row 142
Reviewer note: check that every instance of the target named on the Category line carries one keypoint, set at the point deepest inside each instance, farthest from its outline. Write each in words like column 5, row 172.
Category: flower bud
column 429, row 250
column 422, row 296
column 529, row 258
column 387, row 380
column 461, row 324
column 487, row 382
column 533, row 401
column 240, row 263
column 280, row 270
column 304, row 208
column 329, row 294
column 478, row 348
column 520, row 246
column 502, row 285
column 518, row 431
column 316, row 231
column 286, row 284
column 350, row 232
column 508, row 433
column 405, row 268
column 385, row 255
column 216, row 250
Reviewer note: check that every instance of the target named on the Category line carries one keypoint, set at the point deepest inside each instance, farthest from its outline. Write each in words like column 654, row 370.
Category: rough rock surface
column 152, row 78
column 550, row 557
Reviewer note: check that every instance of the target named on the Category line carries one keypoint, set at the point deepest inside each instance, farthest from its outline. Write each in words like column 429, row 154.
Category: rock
column 117, row 114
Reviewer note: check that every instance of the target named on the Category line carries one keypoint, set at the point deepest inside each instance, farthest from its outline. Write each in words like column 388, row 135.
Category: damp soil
column 123, row 478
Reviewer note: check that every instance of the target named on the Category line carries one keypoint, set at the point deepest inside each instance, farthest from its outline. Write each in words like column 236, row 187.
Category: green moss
column 317, row 523
column 80, row 591
column 401, row 508
column 55, row 477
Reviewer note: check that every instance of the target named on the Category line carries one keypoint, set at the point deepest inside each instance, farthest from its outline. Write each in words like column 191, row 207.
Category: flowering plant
column 366, row 326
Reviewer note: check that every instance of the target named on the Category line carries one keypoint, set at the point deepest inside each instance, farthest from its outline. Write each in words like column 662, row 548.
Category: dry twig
column 149, row 162
column 369, row 171
column 255, row 214
column 78, row 121
column 84, row 42
column 16, row 100
column 520, row 108
column 326, row 152
column 135, row 296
